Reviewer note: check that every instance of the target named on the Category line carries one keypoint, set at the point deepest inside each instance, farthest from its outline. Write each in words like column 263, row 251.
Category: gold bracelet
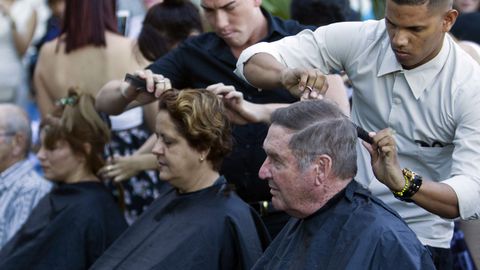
column 405, row 187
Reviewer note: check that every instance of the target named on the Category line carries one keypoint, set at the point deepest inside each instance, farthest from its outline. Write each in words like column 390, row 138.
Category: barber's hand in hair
column 305, row 83
column 384, row 158
column 120, row 168
column 233, row 101
column 239, row 111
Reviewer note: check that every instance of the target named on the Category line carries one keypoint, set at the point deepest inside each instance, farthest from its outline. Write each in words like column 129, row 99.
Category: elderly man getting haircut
column 336, row 224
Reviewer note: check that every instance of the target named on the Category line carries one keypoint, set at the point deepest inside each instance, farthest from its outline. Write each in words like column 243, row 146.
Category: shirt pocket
column 437, row 161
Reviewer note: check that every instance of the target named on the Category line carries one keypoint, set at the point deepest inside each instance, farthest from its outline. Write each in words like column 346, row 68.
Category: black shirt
column 205, row 60
column 68, row 229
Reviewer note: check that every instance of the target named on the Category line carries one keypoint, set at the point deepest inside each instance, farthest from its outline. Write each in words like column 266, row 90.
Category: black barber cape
column 207, row 229
column 353, row 230
column 68, row 229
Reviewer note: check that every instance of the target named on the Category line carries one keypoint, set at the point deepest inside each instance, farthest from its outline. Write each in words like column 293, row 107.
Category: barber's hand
column 156, row 84
column 236, row 106
column 384, row 158
column 305, row 83
column 120, row 168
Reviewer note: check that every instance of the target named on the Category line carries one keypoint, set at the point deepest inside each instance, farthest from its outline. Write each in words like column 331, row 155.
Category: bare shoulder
column 127, row 48
column 49, row 48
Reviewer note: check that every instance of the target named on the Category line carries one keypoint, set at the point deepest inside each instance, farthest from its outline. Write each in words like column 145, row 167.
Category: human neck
column 205, row 178
column 81, row 176
column 326, row 192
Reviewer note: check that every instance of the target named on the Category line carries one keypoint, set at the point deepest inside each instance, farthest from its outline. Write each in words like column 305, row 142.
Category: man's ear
column 18, row 144
column 323, row 168
column 449, row 20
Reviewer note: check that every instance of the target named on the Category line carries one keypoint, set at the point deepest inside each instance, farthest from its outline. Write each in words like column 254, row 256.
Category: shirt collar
column 274, row 26
column 421, row 77
column 12, row 175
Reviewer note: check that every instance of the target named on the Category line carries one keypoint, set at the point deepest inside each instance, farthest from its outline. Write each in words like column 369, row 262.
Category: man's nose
column 221, row 19
column 264, row 172
column 400, row 39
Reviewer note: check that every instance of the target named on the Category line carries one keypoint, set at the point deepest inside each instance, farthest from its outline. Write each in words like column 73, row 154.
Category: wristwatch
column 413, row 182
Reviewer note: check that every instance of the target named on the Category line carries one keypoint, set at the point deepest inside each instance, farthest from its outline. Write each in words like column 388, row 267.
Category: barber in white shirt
column 415, row 86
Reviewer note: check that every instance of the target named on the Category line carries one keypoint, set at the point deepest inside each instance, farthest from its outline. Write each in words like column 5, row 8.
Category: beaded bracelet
column 413, row 182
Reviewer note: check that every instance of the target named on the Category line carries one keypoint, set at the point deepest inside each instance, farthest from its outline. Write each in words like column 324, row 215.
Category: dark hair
column 167, row 24
column 322, row 12
column 77, row 122
column 320, row 128
column 86, row 21
column 430, row 3
column 53, row 2
column 200, row 117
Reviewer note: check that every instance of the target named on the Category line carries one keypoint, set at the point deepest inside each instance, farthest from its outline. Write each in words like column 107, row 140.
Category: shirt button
column 397, row 100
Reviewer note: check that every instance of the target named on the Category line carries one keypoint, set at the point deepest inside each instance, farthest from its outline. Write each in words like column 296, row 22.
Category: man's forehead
column 407, row 15
column 277, row 136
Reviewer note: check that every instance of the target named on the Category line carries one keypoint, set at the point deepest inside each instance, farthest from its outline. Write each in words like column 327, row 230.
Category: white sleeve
column 465, row 180
column 327, row 48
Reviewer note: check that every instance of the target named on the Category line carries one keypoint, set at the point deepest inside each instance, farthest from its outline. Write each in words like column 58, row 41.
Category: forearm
column 264, row 111
column 22, row 40
column 337, row 92
column 147, row 146
column 150, row 114
column 437, row 198
column 146, row 161
column 110, row 99
column 263, row 71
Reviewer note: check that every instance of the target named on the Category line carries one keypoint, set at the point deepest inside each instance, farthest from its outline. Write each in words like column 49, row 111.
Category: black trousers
column 442, row 258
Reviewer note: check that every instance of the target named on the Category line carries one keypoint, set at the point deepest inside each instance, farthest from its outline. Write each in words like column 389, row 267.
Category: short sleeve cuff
column 262, row 47
column 468, row 194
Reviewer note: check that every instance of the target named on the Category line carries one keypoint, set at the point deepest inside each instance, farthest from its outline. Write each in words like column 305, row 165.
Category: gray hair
column 16, row 121
column 320, row 128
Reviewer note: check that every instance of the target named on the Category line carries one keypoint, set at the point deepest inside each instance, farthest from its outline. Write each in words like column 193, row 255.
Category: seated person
column 199, row 223
column 20, row 186
column 74, row 223
column 336, row 223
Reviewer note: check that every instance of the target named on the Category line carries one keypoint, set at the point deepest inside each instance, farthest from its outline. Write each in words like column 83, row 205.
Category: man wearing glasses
column 20, row 186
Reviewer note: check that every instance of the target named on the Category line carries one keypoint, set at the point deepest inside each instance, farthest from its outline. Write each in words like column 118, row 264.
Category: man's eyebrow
column 270, row 153
column 222, row 7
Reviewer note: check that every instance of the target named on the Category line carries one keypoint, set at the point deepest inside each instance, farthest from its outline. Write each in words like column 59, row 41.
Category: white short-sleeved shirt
column 436, row 104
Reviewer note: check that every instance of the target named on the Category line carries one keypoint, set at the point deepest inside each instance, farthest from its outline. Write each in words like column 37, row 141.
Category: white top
column 11, row 69
column 128, row 119
column 437, row 102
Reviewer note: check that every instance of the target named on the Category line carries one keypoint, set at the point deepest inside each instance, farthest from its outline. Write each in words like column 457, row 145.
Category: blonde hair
column 200, row 117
